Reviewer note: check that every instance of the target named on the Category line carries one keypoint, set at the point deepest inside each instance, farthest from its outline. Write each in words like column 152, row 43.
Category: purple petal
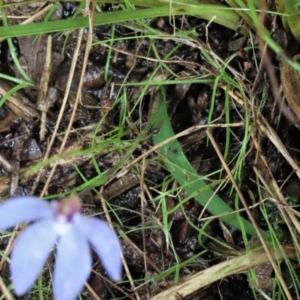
column 23, row 209
column 72, row 266
column 105, row 242
column 30, row 254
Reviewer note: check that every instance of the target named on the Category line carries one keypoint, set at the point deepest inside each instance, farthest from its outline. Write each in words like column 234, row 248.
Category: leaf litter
column 163, row 239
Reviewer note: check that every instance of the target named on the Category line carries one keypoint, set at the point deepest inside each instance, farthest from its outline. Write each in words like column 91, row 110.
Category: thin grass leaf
column 180, row 168
column 221, row 15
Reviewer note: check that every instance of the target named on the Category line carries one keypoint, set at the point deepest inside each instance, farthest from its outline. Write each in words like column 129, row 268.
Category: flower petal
column 23, row 209
column 105, row 242
column 72, row 266
column 30, row 254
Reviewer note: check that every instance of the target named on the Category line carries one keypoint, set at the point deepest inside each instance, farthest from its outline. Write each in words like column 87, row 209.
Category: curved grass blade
column 219, row 13
column 180, row 168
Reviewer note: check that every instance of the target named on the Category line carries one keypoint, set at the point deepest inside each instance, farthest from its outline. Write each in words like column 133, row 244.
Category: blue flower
column 60, row 224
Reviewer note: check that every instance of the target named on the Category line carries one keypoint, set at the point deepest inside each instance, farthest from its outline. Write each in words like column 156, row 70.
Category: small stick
column 8, row 166
column 43, row 103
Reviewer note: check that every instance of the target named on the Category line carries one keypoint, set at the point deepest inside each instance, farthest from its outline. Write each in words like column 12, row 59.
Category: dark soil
column 189, row 104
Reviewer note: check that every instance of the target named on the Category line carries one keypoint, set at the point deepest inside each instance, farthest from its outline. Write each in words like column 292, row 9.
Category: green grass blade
column 221, row 15
column 180, row 168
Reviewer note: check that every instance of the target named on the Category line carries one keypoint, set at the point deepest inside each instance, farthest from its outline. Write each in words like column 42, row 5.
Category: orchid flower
column 61, row 224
